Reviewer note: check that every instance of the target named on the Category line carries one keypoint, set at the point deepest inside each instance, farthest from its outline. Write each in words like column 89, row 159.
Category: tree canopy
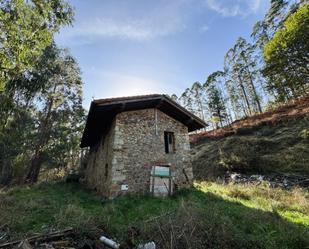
column 26, row 29
column 287, row 56
column 272, row 68
column 41, row 114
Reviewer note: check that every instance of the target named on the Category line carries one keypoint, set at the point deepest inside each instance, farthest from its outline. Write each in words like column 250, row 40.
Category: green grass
column 209, row 215
column 290, row 205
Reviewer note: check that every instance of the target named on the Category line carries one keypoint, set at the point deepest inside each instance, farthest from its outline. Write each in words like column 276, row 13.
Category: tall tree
column 26, row 29
column 186, row 100
column 263, row 31
column 59, row 99
column 199, row 99
column 249, row 69
column 287, row 58
column 17, row 125
column 215, row 99
column 15, row 145
column 240, row 68
column 236, row 84
column 276, row 14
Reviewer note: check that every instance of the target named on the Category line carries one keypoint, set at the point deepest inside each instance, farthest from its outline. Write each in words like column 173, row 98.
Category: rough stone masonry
column 139, row 145
column 134, row 143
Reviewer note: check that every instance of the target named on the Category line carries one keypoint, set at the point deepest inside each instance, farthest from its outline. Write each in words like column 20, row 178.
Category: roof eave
column 86, row 138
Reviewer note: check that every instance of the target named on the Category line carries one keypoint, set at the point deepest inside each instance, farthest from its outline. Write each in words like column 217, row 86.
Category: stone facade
column 99, row 165
column 133, row 144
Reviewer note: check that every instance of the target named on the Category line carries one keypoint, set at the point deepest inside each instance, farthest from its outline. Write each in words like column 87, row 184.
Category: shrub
column 304, row 134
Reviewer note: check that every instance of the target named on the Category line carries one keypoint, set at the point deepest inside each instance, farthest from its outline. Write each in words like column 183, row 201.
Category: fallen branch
column 160, row 216
column 40, row 238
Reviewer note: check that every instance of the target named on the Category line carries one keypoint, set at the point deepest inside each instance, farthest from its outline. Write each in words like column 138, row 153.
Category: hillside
column 275, row 141
column 207, row 215
column 292, row 109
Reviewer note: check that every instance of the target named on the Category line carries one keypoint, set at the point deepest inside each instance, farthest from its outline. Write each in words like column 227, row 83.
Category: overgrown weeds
column 210, row 215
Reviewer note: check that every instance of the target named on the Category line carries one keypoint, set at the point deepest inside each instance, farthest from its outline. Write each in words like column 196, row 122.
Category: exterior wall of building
column 134, row 144
column 139, row 145
column 99, row 165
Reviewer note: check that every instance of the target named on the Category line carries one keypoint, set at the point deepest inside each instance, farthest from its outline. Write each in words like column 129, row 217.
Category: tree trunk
column 36, row 161
column 34, row 168
column 202, row 112
column 220, row 118
column 5, row 173
column 256, row 97
column 244, row 94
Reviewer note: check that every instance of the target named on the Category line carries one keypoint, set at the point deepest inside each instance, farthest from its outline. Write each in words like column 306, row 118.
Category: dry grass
column 265, row 149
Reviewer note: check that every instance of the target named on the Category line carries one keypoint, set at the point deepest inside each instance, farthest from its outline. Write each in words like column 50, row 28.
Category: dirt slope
column 293, row 109
column 276, row 141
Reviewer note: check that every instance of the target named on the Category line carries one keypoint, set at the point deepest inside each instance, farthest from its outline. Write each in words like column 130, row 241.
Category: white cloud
column 204, row 28
column 160, row 18
column 133, row 30
column 228, row 8
column 145, row 20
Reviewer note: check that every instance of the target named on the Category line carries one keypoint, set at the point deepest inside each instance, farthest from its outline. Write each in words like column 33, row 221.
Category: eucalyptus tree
column 287, row 57
column 17, row 126
column 215, row 98
column 242, row 77
column 249, row 69
column 199, row 99
column 59, row 104
column 263, row 31
column 63, row 150
column 276, row 14
column 235, row 84
column 186, row 100
column 15, row 145
column 26, row 29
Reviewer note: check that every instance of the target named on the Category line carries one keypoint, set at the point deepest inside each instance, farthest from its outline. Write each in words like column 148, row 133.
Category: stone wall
column 139, row 144
column 99, row 165
column 133, row 145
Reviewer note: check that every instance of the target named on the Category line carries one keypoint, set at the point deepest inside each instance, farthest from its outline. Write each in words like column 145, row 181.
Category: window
column 106, row 170
column 169, row 142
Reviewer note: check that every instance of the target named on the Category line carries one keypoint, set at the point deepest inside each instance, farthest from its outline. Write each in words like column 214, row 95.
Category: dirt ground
column 292, row 109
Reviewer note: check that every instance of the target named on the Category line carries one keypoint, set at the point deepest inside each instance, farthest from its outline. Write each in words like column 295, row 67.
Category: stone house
column 138, row 144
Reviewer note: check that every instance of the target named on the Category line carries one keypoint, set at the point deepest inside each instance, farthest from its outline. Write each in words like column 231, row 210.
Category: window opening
column 169, row 142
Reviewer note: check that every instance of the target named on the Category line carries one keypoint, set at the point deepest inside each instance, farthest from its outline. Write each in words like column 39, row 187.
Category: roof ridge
column 98, row 101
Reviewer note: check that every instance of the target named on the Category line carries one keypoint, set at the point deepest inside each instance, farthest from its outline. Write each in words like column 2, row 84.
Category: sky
column 132, row 47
